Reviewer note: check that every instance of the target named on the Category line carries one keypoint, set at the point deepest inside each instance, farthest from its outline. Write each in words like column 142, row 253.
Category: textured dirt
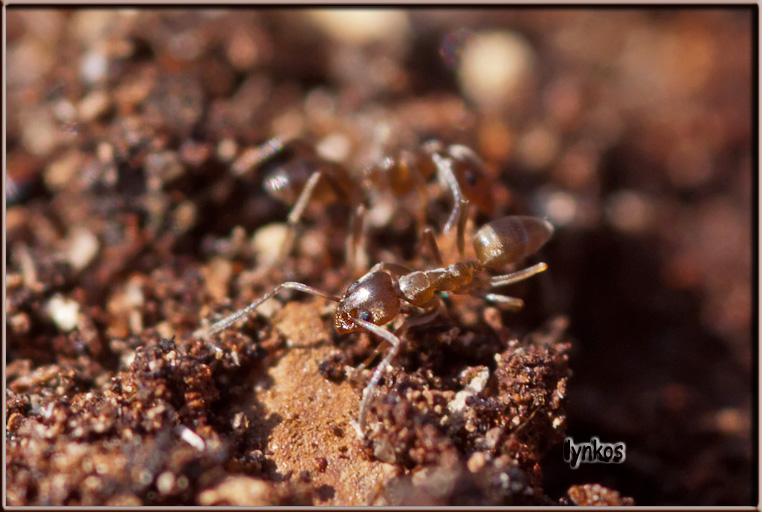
column 137, row 213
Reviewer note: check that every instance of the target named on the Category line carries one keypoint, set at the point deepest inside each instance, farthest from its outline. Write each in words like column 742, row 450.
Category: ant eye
column 364, row 316
column 470, row 177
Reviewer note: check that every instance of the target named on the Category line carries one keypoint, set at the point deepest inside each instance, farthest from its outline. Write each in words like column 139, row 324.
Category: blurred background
column 629, row 129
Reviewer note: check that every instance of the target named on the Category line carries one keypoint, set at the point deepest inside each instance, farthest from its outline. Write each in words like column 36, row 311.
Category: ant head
column 372, row 298
column 472, row 176
column 510, row 239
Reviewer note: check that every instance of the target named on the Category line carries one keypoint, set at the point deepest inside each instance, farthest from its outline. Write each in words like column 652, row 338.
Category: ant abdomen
column 510, row 239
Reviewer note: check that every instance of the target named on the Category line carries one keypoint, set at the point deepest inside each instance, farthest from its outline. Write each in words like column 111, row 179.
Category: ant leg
column 295, row 215
column 510, row 302
column 515, row 277
column 395, row 269
column 395, row 341
column 353, row 242
column 428, row 239
column 373, row 383
column 445, row 173
column 231, row 319
column 461, row 238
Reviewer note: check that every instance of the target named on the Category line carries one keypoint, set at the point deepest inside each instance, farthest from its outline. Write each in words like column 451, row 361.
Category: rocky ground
column 136, row 213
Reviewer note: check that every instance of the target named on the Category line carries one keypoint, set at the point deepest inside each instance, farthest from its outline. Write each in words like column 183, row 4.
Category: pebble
column 64, row 312
column 496, row 69
column 267, row 242
column 93, row 105
column 362, row 26
column 82, row 247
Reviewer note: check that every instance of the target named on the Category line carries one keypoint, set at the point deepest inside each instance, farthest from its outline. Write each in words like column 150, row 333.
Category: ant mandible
column 391, row 289
column 297, row 175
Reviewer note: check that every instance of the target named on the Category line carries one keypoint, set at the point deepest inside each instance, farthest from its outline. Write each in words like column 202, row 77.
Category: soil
column 137, row 213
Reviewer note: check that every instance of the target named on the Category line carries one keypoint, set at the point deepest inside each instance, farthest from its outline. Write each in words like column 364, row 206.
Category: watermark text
column 593, row 452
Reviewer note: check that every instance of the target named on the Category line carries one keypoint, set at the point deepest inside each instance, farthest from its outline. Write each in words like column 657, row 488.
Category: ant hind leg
column 520, row 275
column 504, row 300
column 354, row 240
column 295, row 215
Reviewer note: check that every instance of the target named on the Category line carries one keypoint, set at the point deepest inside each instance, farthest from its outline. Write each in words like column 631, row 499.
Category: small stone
column 496, row 69
column 93, row 105
column 64, row 312
column 362, row 26
column 476, row 462
column 239, row 491
column 165, row 483
column 63, row 170
column 267, row 242
column 93, row 67
column 83, row 246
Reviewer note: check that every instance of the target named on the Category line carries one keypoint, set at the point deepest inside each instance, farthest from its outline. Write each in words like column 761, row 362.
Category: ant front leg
column 226, row 322
column 446, row 174
column 373, row 383
column 395, row 342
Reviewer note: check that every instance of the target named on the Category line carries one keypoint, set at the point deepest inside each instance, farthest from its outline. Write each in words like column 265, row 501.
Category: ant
column 296, row 174
column 390, row 289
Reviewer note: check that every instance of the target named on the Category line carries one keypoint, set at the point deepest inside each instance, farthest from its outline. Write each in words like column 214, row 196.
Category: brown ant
column 391, row 289
column 297, row 175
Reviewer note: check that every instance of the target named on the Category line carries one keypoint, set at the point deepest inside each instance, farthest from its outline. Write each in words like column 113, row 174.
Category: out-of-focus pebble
column 82, row 247
column 226, row 150
column 39, row 132
column 362, row 26
column 184, row 216
column 165, row 483
column 538, row 148
column 238, row 491
column 497, row 69
column 267, row 242
column 217, row 278
column 64, row 312
column 629, row 211
column 93, row 105
column 63, row 170
column 334, row 147
column 29, row 60
column 93, row 67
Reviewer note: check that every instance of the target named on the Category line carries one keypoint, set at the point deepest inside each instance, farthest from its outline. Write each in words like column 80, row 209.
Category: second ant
column 296, row 175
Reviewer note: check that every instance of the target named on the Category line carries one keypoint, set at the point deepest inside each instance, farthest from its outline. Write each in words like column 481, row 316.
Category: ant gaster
column 391, row 289
column 297, row 175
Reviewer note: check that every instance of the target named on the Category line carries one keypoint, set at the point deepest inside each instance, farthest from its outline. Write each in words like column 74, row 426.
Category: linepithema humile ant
column 296, row 175
column 390, row 289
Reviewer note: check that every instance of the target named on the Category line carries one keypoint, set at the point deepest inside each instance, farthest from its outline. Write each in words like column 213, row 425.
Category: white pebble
column 267, row 242
column 82, row 247
column 93, row 67
column 64, row 312
column 496, row 69
column 334, row 147
column 362, row 26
